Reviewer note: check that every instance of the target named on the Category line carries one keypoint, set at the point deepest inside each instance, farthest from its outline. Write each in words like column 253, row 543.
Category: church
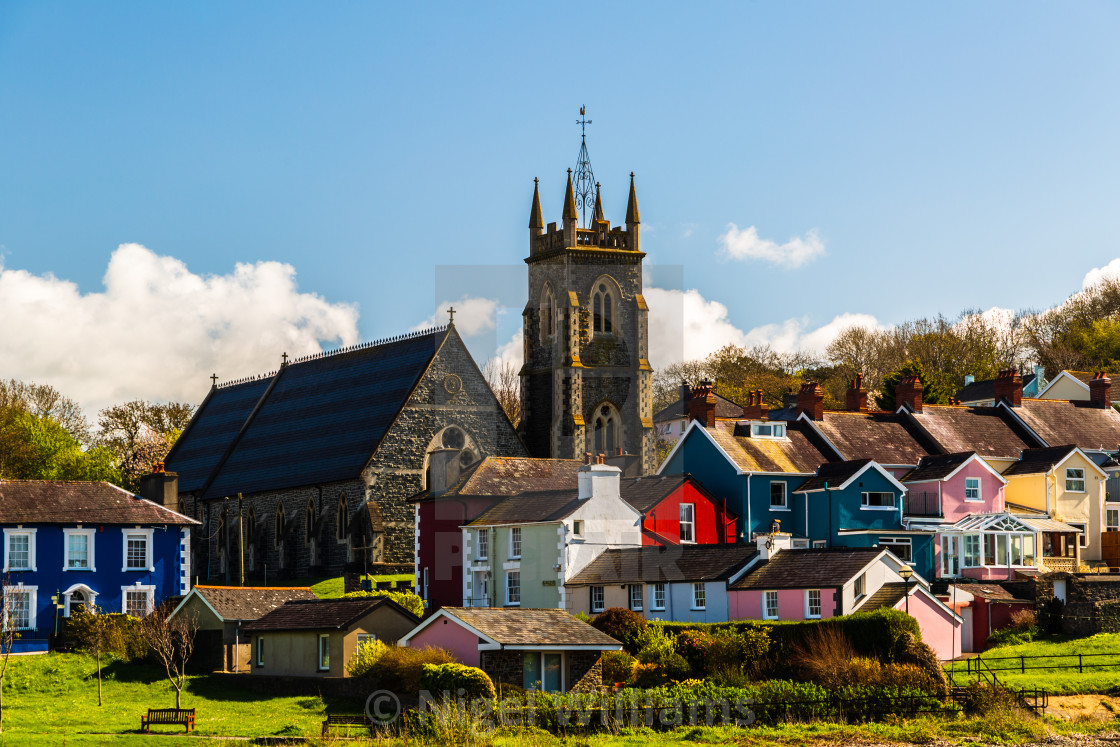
column 321, row 457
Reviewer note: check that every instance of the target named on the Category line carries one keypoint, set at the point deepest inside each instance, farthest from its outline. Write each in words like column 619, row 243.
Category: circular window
column 453, row 384
column 453, row 438
column 605, row 411
column 467, row 458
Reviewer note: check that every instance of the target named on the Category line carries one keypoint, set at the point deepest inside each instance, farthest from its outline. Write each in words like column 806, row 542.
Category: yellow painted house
column 1066, row 485
column 1073, row 386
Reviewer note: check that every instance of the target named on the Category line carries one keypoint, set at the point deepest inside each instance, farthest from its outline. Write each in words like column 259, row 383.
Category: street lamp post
column 906, row 572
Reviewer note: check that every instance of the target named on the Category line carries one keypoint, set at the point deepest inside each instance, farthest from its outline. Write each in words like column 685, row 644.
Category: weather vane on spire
column 584, row 185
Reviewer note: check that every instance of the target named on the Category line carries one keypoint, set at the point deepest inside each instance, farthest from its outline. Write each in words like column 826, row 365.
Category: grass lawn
column 331, row 588
column 1065, row 677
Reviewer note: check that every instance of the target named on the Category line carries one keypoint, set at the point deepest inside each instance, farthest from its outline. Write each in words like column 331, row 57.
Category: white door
column 1060, row 589
column 950, row 555
column 966, row 630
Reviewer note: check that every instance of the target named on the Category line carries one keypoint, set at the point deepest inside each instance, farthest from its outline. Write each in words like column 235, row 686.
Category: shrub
column 694, row 646
column 399, row 669
column 1012, row 636
column 365, row 658
column 125, row 640
column 654, row 644
column 983, row 698
column 1023, row 619
column 735, row 650
column 618, row 666
column 910, row 651
column 450, row 678
column 411, row 602
column 824, row 656
column 625, row 626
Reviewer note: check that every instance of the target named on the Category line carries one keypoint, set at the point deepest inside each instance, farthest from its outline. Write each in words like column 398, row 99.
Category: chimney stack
column 702, row 405
column 598, row 481
column 161, row 487
column 1008, row 388
column 771, row 544
column 810, row 400
column 856, row 397
column 1100, row 390
column 755, row 410
column 443, row 470
column 909, row 391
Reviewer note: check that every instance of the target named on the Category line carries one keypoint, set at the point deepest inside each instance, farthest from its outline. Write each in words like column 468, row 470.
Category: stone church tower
column 586, row 385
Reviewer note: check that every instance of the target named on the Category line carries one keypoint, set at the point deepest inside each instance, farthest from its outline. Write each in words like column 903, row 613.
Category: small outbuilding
column 319, row 638
column 222, row 611
column 541, row 649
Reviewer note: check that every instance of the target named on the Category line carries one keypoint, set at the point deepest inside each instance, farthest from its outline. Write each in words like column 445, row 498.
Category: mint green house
column 522, row 550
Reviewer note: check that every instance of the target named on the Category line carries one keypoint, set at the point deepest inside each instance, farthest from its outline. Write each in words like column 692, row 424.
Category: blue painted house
column 858, row 503
column 755, row 465
column 86, row 543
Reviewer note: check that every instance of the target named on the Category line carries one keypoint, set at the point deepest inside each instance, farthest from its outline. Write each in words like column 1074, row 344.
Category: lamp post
column 906, row 572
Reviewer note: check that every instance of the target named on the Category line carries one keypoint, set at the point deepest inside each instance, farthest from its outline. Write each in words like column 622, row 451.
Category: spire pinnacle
column 585, row 177
column 632, row 204
column 570, row 201
column 535, row 218
column 598, row 205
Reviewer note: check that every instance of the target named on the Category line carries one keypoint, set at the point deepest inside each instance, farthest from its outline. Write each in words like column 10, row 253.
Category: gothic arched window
column 605, row 430
column 342, row 520
column 278, row 539
column 603, row 308
column 547, row 314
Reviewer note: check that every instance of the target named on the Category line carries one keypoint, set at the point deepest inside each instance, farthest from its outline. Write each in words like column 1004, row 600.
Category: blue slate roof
column 316, row 420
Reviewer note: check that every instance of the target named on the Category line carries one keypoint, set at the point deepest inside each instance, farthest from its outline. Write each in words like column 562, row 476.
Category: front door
column 950, row 555
column 553, row 679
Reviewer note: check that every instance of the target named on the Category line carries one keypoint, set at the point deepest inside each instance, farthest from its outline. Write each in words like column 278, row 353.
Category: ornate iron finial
column 284, row 359
column 585, row 177
column 451, row 313
column 214, row 381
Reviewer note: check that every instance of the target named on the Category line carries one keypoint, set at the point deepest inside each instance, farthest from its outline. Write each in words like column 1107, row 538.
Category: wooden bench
column 346, row 722
column 168, row 717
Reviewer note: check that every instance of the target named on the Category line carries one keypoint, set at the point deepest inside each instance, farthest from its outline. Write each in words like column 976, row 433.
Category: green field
column 1065, row 677
column 332, row 588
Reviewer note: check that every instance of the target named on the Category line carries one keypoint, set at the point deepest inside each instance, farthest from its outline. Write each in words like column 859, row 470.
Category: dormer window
column 768, row 430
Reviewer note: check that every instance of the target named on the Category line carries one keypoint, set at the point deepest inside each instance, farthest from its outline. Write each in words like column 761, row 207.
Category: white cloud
column 473, row 315
column 1111, row 271
column 746, row 244
column 797, row 335
column 158, row 330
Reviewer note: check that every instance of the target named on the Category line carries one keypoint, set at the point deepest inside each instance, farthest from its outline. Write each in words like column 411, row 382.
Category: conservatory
column 995, row 546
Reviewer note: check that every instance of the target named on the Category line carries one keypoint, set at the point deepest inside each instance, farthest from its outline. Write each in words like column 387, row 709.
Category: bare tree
column 13, row 607
column 506, row 383
column 96, row 635
column 171, row 640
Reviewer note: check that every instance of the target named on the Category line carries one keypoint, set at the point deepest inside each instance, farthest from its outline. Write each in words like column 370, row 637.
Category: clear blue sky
column 948, row 155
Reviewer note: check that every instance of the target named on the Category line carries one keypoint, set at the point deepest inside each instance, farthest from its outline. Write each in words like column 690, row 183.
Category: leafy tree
column 139, row 434
column 96, row 635
column 38, row 448
column 931, row 393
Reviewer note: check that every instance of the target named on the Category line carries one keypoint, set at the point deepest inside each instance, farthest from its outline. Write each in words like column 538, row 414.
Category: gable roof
column 809, row 569
column 316, row 420
column 660, row 564
column 989, row 431
column 532, row 507
column 72, row 502
column 513, row 627
column 1060, row 422
column 888, row 595
column 322, row 614
column 1078, row 377
column 1040, row 461
column 939, row 467
column 245, row 602
column 507, row 476
column 725, row 408
column 886, row 437
column 983, row 391
column 839, row 475
column 798, row 453
column 644, row 493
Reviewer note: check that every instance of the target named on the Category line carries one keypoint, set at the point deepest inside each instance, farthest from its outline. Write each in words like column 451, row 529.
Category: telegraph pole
column 241, row 538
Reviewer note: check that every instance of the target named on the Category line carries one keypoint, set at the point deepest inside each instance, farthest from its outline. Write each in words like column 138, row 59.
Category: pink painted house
column 787, row 584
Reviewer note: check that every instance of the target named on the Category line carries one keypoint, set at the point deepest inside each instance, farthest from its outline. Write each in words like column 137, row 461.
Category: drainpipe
column 747, row 528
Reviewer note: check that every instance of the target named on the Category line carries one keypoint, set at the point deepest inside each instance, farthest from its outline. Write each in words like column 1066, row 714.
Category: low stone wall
column 1092, row 601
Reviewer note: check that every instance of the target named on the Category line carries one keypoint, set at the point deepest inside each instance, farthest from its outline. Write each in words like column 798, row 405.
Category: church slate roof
column 64, row 502
column 315, row 420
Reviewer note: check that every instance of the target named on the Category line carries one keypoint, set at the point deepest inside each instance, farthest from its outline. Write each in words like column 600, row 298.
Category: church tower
column 586, row 385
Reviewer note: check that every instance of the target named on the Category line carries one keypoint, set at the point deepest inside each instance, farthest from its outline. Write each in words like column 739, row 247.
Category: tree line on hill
column 44, row 435
column 1082, row 333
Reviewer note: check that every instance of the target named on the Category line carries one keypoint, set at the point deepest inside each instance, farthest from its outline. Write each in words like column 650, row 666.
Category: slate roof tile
column 937, row 467
column 798, row 453
column 808, row 569
column 832, row 475
column 662, row 564
column 989, row 431
column 1036, row 461
column 64, row 502
column 250, row 602
column 1080, row 423
column 725, row 408
column 886, row 596
column 321, row 614
column 885, row 437
column 529, row 627
column 983, row 391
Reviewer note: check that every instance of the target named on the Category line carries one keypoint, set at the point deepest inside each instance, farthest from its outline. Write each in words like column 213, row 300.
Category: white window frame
column 510, row 602
column 865, row 506
column 699, row 596
column 809, row 614
column 483, row 542
column 324, row 637
column 636, row 597
column 149, row 591
column 657, row 596
column 767, row 614
column 90, row 535
column 819, row 544
column 598, row 599
column 31, row 559
column 260, row 651
column 784, row 505
column 515, row 543
column 859, row 587
column 690, row 522
column 978, row 489
column 135, row 531
column 364, row 638
column 1083, row 540
column 1075, row 475
column 768, row 430
column 1114, row 524
column 977, row 558
column 32, row 593
column 890, row 543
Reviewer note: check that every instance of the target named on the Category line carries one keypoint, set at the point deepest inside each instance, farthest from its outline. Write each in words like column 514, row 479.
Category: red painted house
column 985, row 607
column 676, row 510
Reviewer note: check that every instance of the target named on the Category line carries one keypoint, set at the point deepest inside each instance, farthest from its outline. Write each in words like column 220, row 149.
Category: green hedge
column 411, row 602
column 450, row 678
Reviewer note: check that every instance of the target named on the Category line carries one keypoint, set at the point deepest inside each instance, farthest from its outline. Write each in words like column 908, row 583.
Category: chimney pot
column 702, row 405
column 810, row 400
column 1100, row 390
column 1008, row 387
column 856, row 396
column 909, row 391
